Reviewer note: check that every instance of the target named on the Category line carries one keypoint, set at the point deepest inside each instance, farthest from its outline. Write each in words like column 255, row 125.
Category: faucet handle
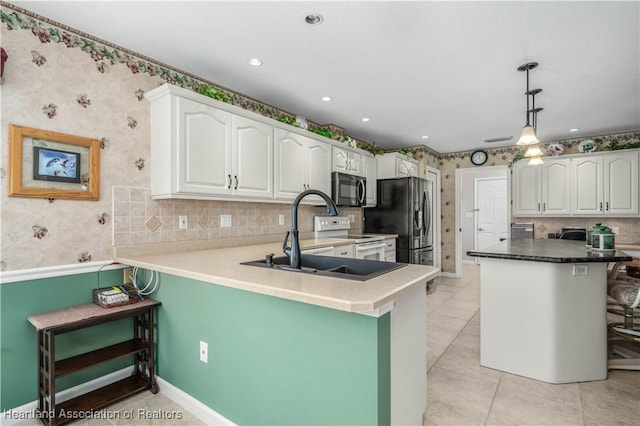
column 269, row 259
column 285, row 248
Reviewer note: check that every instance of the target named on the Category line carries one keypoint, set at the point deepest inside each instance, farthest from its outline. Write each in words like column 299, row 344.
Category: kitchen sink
column 329, row 266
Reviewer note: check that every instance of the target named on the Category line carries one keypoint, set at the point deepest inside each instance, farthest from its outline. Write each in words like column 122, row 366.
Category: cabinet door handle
column 607, row 204
column 236, row 178
column 544, row 207
column 343, row 253
column 229, row 182
column 600, row 206
column 538, row 206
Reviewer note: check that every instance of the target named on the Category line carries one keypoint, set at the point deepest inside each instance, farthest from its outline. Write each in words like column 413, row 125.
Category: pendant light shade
column 536, row 161
column 528, row 136
column 533, row 151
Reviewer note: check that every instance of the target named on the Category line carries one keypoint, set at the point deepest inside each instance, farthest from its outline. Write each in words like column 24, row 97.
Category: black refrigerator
column 404, row 208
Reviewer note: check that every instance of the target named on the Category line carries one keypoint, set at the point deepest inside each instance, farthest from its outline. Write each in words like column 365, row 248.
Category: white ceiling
column 442, row 69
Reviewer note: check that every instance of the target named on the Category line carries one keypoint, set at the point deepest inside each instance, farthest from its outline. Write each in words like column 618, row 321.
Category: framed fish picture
column 46, row 164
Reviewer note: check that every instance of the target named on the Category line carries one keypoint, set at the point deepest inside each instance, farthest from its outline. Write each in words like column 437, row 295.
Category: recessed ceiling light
column 574, row 130
column 425, row 137
column 326, row 98
column 313, row 19
column 365, row 119
column 255, row 62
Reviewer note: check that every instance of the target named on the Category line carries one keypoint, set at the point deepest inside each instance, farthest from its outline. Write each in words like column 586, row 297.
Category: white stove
column 370, row 247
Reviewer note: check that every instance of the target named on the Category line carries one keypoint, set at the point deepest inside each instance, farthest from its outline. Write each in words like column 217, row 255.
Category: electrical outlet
column 225, row 221
column 127, row 275
column 352, row 218
column 182, row 222
column 580, row 269
column 280, row 219
column 615, row 229
column 204, row 352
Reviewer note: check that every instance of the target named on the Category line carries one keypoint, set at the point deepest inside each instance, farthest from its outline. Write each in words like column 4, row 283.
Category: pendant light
column 528, row 135
column 534, row 150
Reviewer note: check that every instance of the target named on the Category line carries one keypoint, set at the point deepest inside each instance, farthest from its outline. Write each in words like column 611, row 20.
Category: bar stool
column 625, row 292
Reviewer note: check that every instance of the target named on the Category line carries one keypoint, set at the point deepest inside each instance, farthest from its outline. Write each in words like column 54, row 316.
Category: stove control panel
column 330, row 223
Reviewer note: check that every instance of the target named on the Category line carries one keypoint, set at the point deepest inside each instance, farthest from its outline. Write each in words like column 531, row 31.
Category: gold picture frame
column 46, row 164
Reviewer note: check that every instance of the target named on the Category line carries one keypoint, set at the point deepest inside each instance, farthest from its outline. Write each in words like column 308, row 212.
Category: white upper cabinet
column 301, row 163
column 587, row 185
column 252, row 158
column 199, row 150
column 542, row 190
column 556, row 187
column 393, row 165
column 204, row 149
column 347, row 161
column 527, row 189
column 606, row 184
column 370, row 166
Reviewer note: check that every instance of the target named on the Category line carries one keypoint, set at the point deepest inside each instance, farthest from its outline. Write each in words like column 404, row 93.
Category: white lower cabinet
column 320, row 251
column 199, row 150
column 301, row 163
column 390, row 250
column 345, row 250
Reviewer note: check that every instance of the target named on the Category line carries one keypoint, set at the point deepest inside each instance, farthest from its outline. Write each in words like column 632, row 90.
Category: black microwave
column 348, row 190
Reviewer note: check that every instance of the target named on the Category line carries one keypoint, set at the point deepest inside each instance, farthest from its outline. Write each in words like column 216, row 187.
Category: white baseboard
column 207, row 415
column 448, row 274
column 192, row 405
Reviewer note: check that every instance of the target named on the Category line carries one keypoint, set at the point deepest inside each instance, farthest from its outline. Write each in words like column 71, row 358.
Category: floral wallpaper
column 58, row 79
column 61, row 80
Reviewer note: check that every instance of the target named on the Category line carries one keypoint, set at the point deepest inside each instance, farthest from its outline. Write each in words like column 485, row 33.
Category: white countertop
column 222, row 266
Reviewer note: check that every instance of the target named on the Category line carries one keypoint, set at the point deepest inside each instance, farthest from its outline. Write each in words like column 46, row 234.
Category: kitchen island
column 543, row 309
column 290, row 347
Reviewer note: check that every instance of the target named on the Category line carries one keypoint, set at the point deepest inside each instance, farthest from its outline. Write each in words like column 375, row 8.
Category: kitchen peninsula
column 290, row 347
column 543, row 309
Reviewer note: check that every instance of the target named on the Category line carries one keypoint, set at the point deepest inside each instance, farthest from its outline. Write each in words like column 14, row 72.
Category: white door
column 492, row 211
column 253, row 158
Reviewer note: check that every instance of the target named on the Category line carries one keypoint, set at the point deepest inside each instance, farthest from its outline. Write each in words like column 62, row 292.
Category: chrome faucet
column 293, row 252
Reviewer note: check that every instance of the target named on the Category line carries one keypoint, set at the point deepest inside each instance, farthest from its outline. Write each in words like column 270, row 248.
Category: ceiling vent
column 502, row 139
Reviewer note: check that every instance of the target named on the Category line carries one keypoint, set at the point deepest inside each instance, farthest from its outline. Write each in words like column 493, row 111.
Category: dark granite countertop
column 551, row 251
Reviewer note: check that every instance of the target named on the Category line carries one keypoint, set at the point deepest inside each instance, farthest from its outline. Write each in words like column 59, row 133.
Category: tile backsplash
column 139, row 219
column 628, row 228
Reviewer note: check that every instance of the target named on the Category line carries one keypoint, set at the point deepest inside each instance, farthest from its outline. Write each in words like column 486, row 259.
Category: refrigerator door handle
column 426, row 211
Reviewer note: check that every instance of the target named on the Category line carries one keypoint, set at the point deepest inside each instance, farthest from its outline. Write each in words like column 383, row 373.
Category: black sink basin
column 329, row 266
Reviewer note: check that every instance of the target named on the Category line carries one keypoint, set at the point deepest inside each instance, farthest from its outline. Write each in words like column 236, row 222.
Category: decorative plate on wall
column 555, row 149
column 587, row 145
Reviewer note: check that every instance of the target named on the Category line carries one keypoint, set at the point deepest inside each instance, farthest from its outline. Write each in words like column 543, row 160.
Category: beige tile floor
column 460, row 392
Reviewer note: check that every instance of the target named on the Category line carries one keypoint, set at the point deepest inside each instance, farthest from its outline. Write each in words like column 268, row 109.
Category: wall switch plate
column 182, row 222
column 225, row 221
column 127, row 274
column 204, row 352
column 280, row 219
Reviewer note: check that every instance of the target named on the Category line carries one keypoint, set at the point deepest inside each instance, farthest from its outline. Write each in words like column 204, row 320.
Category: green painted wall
column 18, row 338
column 273, row 361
